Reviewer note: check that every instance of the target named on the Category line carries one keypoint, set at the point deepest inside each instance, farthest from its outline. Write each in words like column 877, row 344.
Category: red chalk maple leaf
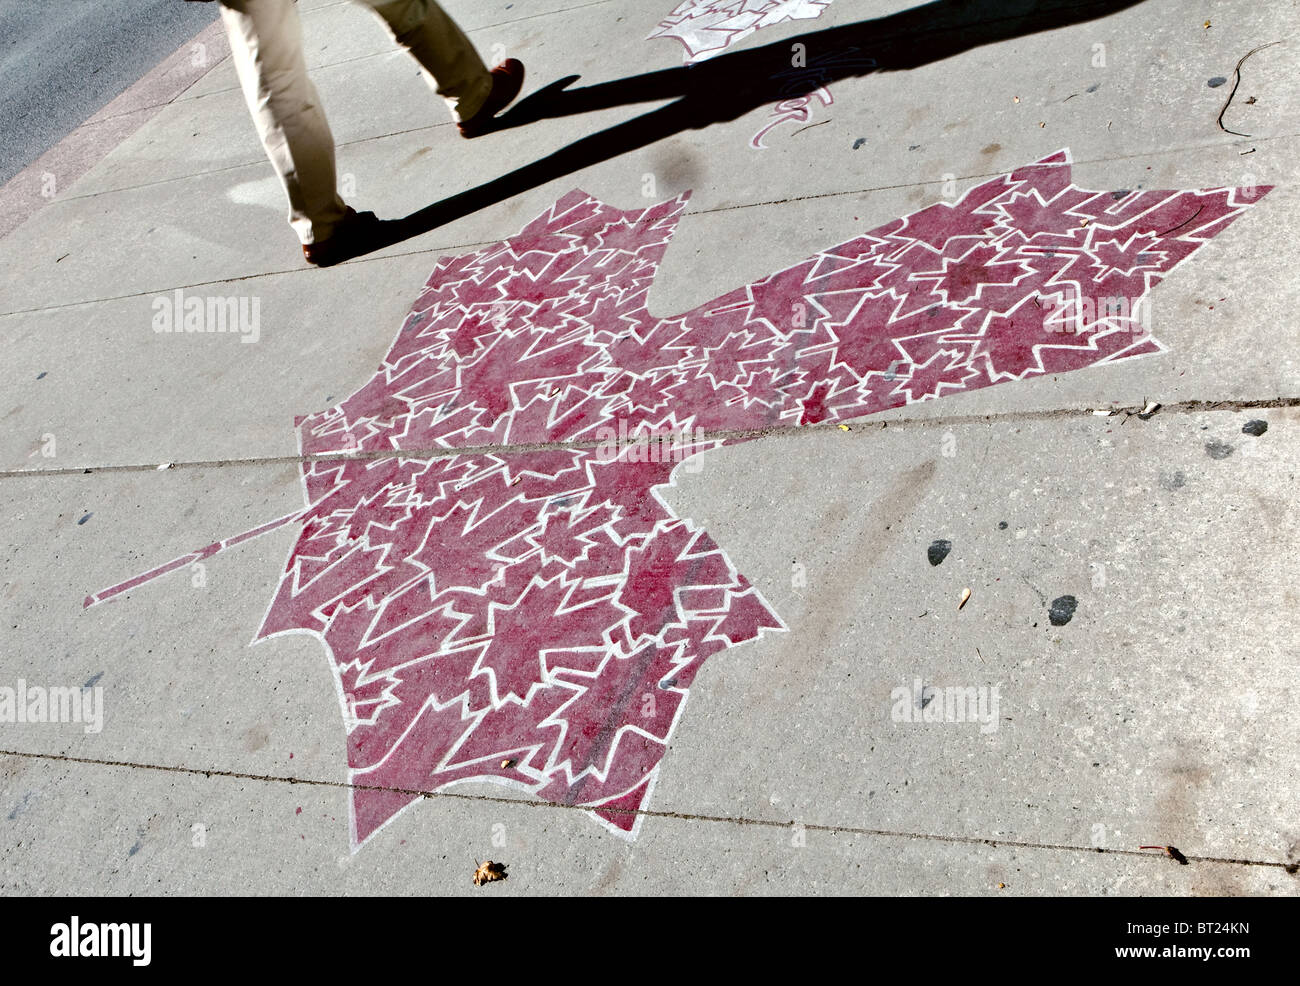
column 535, row 615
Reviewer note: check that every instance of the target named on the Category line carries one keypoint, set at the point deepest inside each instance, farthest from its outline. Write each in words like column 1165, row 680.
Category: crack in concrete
column 738, row 820
column 698, row 212
column 775, row 431
column 447, row 248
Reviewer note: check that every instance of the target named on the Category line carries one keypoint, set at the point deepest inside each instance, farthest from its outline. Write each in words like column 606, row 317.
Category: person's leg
column 266, row 46
column 451, row 66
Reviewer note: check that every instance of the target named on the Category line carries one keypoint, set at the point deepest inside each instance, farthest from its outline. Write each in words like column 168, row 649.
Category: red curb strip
column 28, row 191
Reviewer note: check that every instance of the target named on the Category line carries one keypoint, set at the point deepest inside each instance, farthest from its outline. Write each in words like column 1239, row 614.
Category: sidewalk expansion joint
column 737, row 820
column 725, row 436
column 260, row 160
column 447, row 248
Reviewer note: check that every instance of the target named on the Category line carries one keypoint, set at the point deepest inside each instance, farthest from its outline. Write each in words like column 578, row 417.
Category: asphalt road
column 61, row 60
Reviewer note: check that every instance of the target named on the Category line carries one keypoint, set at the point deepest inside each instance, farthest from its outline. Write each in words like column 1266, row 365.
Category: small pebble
column 1062, row 610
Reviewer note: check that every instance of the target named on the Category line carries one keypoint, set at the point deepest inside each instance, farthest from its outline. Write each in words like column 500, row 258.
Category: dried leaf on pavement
column 488, row 872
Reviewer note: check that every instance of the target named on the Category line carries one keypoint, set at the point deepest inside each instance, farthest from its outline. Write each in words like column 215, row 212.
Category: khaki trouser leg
column 451, row 66
column 266, row 46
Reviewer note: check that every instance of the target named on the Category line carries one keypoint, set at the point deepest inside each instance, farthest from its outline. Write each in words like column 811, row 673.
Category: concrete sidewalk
column 1132, row 578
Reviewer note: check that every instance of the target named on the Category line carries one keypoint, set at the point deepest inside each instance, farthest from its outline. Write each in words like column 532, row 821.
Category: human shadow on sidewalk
column 730, row 85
